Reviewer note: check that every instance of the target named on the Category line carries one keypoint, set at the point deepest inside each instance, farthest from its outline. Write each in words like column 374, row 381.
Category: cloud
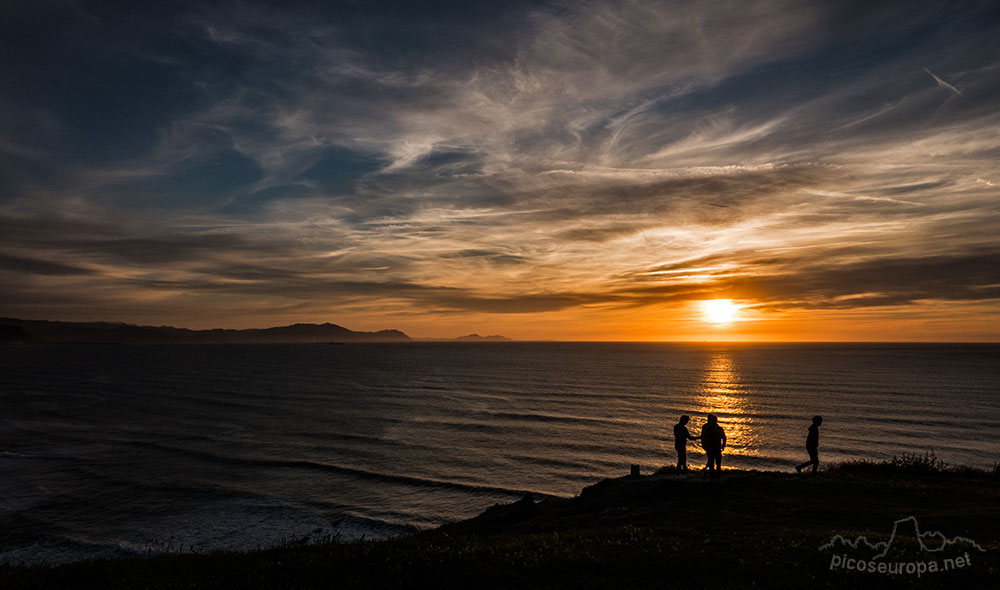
column 26, row 265
column 879, row 282
column 944, row 84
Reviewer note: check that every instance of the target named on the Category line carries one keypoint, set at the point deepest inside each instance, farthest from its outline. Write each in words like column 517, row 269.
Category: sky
column 540, row 170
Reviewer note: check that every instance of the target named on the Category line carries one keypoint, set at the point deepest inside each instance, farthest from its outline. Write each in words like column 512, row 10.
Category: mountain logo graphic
column 937, row 541
column 907, row 551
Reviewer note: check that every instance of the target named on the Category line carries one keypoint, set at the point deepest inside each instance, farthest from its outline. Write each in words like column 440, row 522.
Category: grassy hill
column 751, row 529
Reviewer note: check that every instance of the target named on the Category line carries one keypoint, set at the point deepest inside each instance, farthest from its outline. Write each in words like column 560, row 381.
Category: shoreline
column 644, row 530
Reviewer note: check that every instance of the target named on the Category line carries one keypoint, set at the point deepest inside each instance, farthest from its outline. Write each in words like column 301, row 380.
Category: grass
column 752, row 529
column 909, row 463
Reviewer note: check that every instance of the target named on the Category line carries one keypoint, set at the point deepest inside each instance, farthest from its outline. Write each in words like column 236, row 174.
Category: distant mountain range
column 469, row 338
column 39, row 331
column 478, row 338
column 32, row 331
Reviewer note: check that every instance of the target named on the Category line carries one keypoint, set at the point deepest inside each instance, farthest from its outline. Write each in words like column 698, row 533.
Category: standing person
column 812, row 446
column 681, row 436
column 713, row 440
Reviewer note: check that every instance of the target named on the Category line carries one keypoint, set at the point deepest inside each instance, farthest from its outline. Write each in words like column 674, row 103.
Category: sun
column 720, row 311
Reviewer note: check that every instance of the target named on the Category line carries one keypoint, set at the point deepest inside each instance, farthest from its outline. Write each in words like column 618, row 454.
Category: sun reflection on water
column 722, row 394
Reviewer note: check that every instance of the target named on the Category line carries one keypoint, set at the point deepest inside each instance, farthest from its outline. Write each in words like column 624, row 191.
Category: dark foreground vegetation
column 751, row 529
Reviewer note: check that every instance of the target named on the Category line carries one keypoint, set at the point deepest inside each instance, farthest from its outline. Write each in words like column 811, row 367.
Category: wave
column 403, row 479
column 553, row 418
column 232, row 525
column 58, row 550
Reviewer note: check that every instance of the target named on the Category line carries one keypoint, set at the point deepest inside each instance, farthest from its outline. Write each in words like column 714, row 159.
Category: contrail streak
column 944, row 84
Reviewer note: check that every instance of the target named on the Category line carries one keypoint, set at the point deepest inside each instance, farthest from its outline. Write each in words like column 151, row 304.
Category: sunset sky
column 541, row 170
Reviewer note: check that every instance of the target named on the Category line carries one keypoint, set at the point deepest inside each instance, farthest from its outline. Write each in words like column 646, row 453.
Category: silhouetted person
column 681, row 437
column 713, row 440
column 812, row 446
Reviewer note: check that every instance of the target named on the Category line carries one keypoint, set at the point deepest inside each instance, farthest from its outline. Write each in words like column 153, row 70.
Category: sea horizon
column 105, row 449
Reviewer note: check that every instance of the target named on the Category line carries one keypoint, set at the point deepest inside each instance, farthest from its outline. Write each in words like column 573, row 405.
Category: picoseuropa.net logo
column 908, row 552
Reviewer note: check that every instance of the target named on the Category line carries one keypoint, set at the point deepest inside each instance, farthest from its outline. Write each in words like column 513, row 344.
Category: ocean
column 111, row 450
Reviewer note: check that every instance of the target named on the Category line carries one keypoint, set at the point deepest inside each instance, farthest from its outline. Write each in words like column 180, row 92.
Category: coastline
column 657, row 530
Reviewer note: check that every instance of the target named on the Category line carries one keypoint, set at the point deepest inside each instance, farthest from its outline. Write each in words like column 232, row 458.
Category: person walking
column 812, row 446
